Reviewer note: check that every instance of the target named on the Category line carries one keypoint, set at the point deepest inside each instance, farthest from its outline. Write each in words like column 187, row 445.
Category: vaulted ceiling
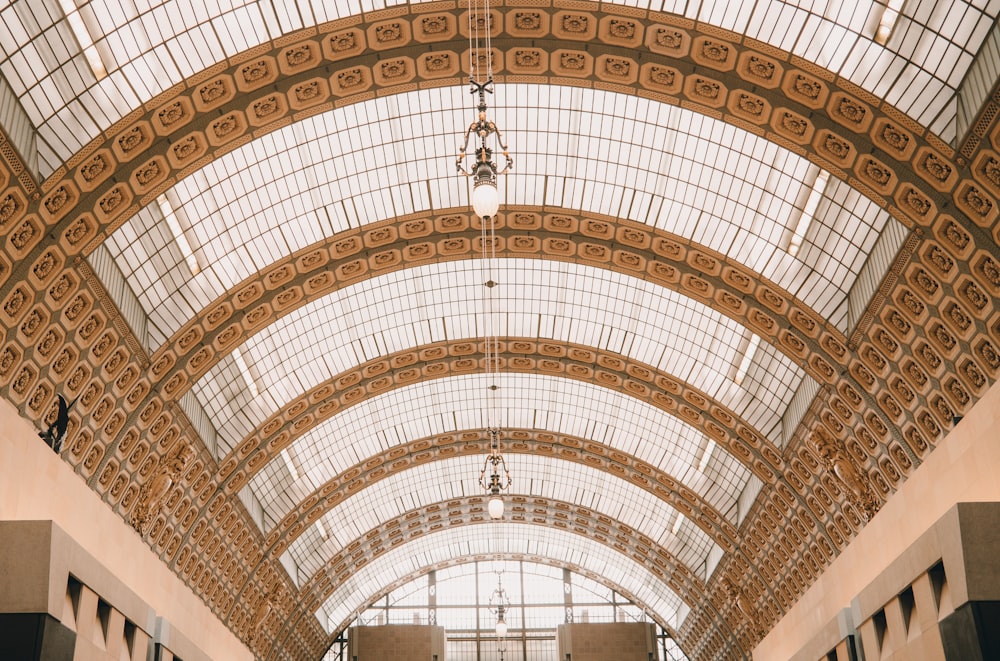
column 748, row 267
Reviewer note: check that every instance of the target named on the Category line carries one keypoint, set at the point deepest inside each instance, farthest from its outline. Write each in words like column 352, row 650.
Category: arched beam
column 954, row 391
column 619, row 245
column 419, row 523
column 521, row 509
column 515, row 355
column 516, row 441
column 762, row 89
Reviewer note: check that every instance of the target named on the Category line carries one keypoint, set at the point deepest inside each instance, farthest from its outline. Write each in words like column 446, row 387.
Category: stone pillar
column 607, row 641
column 412, row 642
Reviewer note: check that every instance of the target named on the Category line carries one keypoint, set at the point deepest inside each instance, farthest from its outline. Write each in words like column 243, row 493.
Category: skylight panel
column 177, row 232
column 887, row 21
column 85, row 38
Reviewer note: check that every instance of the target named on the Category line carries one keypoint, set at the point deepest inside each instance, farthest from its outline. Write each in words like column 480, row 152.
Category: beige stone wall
column 413, row 642
column 106, row 555
column 896, row 550
column 607, row 641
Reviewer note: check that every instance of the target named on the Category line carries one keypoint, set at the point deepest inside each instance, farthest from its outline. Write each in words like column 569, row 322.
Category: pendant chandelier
column 486, row 139
column 499, row 605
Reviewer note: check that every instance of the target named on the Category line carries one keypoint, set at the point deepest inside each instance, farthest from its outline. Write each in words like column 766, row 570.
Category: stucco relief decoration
column 807, row 87
column 184, row 148
column 895, row 138
column 268, row 602
column 837, row 147
column 527, row 58
column 917, row 202
column 223, row 127
column 131, row 139
column 715, row 51
column 738, row 597
column 265, row 107
column 991, row 170
column 342, row 42
column 147, row 173
column 751, row 105
column 256, row 71
column 990, row 270
column 299, row 55
column 388, row 33
column 621, row 29
column 93, row 168
column 306, row 91
column 936, row 167
column 575, row 23
column 572, row 61
column 706, row 88
column 836, row 459
column 212, row 91
column 617, row 66
column 851, row 111
column 171, row 114
column 794, row 124
column 978, row 202
column 434, row 24
column 437, row 61
column 351, row 78
column 9, row 206
column 877, row 173
column 760, row 68
column 393, row 69
column 153, row 492
column 22, row 236
column 527, row 20
column 57, row 200
column 483, row 60
column 669, row 38
column 662, row 76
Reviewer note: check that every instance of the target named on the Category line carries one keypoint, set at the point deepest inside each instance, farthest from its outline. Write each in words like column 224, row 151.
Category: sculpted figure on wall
column 156, row 488
column 737, row 596
column 836, row 459
column 268, row 601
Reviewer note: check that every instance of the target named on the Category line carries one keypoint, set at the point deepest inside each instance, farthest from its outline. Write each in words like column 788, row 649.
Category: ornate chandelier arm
column 503, row 148
column 459, row 162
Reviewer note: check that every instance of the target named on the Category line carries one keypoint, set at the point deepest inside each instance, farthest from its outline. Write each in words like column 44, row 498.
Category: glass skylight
column 536, row 299
column 546, row 477
column 586, row 150
column 147, row 47
column 526, row 402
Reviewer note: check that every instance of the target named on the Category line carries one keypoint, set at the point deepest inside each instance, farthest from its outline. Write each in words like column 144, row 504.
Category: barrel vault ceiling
column 749, row 265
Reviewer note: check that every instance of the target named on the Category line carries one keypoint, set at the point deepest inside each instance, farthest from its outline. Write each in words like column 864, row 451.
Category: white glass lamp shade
column 495, row 507
column 485, row 199
column 501, row 628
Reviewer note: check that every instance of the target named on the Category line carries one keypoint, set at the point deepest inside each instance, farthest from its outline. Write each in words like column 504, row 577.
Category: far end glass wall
column 541, row 598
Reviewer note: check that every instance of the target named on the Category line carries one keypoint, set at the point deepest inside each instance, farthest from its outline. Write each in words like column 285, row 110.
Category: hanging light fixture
column 494, row 463
column 485, row 139
column 483, row 133
column 499, row 604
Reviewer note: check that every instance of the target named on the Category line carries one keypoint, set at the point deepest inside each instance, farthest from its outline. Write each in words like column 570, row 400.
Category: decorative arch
column 465, row 512
column 926, row 349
